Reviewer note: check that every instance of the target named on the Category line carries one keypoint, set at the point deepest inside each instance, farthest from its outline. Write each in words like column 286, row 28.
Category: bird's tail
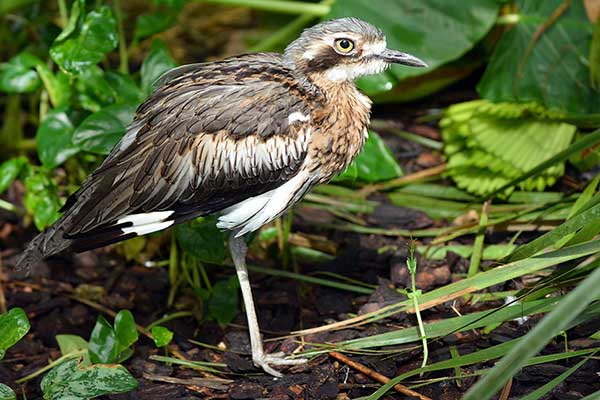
column 44, row 245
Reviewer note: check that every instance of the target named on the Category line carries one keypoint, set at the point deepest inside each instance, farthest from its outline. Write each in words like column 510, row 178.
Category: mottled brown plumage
column 247, row 137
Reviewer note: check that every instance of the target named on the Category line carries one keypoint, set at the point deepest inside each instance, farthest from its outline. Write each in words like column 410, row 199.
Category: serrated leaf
column 18, row 75
column 71, row 381
column 13, row 326
column 54, row 138
column 202, row 239
column 85, row 46
column 157, row 62
column 6, row 393
column 161, row 335
column 10, row 170
column 99, row 132
column 223, row 303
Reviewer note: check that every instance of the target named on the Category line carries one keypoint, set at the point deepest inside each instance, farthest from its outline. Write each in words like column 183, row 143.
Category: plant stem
column 51, row 365
column 169, row 317
column 420, row 321
column 5, row 205
column 281, row 6
column 62, row 10
column 123, row 57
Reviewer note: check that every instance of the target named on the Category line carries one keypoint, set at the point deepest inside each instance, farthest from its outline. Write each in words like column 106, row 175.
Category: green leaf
column 555, row 72
column 71, row 381
column 489, row 145
column 6, row 393
column 93, row 90
column 99, row 132
column 108, row 345
column 54, row 139
column 125, row 330
column 103, row 342
column 72, row 343
column 57, row 85
column 202, row 239
column 552, row 324
column 152, row 23
column 10, row 170
column 156, row 63
column 18, row 75
column 78, row 6
column 86, row 45
column 408, row 26
column 41, row 199
column 374, row 163
column 161, row 335
column 124, row 87
column 13, row 326
column 223, row 303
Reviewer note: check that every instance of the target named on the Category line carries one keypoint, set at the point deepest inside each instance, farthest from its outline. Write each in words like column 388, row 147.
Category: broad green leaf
column 124, row 88
column 202, row 239
column 99, row 132
column 71, row 381
column 374, row 163
column 18, row 75
column 85, row 46
column 555, row 72
column 556, row 321
column 6, row 393
column 125, row 330
column 489, row 145
column 102, row 345
column 408, row 27
column 54, row 139
column 10, row 170
column 41, row 199
column 152, row 23
column 161, row 335
column 223, row 303
column 93, row 90
column 72, row 343
column 156, row 63
column 13, row 326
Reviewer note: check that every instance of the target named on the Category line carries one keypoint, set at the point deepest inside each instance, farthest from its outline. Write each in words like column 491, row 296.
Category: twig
column 411, row 263
column 376, row 375
column 403, row 180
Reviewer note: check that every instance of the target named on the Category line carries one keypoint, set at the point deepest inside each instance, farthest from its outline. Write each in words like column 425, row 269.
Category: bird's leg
column 238, row 248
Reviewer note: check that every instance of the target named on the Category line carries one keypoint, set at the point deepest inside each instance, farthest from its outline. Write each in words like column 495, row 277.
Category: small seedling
column 411, row 263
column 161, row 335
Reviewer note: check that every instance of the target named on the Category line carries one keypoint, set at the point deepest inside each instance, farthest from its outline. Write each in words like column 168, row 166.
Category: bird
column 245, row 138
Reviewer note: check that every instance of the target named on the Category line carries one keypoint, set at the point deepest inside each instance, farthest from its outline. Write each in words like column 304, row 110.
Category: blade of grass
column 541, row 391
column 478, row 244
column 556, row 321
column 480, row 281
column 574, row 224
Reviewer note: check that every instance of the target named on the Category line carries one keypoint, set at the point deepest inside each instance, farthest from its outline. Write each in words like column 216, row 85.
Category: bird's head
column 343, row 50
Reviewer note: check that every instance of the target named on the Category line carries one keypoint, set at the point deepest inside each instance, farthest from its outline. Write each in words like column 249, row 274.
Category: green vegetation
column 73, row 73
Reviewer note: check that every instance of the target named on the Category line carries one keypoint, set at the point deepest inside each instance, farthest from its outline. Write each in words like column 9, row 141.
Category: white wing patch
column 252, row 213
column 297, row 116
column 146, row 222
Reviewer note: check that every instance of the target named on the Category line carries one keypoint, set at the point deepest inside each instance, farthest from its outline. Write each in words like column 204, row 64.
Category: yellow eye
column 344, row 46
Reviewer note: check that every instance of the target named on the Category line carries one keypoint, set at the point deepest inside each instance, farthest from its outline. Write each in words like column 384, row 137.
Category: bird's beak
column 398, row 57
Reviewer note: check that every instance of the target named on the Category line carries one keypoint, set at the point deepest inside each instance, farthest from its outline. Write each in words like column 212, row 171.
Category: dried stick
column 376, row 375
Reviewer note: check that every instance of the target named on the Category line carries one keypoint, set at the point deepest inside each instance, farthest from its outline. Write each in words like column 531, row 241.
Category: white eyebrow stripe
column 374, row 48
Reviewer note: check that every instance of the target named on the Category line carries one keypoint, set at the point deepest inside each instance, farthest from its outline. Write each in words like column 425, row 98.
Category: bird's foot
column 265, row 361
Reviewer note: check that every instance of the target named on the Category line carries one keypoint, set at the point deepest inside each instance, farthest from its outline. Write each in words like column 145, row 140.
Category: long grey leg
column 238, row 249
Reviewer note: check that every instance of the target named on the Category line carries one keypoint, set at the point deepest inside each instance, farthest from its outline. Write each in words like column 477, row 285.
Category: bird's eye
column 344, row 46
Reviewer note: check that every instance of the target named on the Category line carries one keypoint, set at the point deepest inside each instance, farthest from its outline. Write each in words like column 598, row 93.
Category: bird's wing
column 207, row 139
